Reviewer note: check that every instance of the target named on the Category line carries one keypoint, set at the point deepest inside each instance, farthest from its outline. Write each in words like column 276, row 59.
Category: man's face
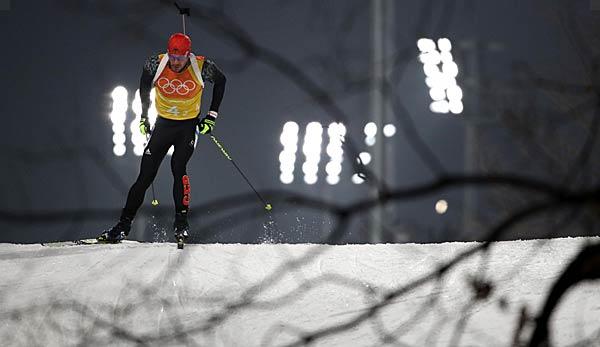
column 177, row 62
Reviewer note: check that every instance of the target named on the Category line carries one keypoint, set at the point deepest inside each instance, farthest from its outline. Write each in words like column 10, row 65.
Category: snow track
column 154, row 294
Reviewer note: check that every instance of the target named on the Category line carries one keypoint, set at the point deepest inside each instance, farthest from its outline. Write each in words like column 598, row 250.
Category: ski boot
column 181, row 228
column 117, row 233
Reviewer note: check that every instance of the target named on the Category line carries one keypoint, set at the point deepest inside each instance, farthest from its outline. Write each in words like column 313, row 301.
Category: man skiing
column 178, row 77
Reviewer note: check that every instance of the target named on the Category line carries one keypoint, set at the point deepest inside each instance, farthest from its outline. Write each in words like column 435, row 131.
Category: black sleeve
column 212, row 73
column 150, row 67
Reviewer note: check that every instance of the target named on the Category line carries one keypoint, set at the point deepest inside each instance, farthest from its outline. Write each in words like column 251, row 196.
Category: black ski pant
column 167, row 133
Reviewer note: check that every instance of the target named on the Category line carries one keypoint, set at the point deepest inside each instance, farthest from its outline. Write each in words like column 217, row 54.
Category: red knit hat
column 179, row 44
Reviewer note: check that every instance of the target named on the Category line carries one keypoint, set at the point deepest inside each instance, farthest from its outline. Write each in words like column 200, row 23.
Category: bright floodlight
column 441, row 80
column 291, row 127
column 456, row 106
column 370, row 141
column 434, row 57
column 118, row 116
column 431, row 70
column 430, row 81
column 389, row 130
column 333, row 168
column 314, row 128
column 310, row 168
column 312, row 151
column 136, row 106
column 441, row 106
column 333, row 180
column 119, row 94
column 370, row 129
column 356, row 179
column 335, row 151
column 286, row 177
column 454, row 93
column 288, row 138
column 137, row 139
column 310, row 179
column 444, row 45
column 119, row 138
column 365, row 158
column 287, row 156
column 426, row 45
column 336, row 129
column 446, row 57
column 311, row 147
column 333, row 129
column 441, row 206
column 118, row 128
column 138, row 151
column 119, row 150
column 450, row 69
column 449, row 81
column 336, row 132
column 152, row 113
column 437, row 93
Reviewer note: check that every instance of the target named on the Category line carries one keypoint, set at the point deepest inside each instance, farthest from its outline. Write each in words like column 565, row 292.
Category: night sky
column 62, row 59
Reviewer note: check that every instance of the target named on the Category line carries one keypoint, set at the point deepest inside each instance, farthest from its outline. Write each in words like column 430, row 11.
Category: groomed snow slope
column 147, row 293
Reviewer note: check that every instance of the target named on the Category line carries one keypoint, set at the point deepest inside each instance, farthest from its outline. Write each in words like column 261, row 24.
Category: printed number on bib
column 173, row 110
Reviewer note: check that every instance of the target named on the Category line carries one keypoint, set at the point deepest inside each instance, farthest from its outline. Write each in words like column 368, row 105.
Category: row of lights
column 139, row 140
column 118, row 117
column 312, row 152
column 441, row 71
column 287, row 157
column 311, row 149
column 335, row 151
column 370, row 131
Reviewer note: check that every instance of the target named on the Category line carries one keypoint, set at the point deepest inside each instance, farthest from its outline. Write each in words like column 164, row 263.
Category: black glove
column 145, row 126
column 207, row 124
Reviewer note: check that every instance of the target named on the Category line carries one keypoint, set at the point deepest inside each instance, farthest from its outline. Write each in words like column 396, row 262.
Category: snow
column 148, row 292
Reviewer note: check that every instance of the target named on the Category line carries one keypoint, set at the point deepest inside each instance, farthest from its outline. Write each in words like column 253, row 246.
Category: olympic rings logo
column 170, row 87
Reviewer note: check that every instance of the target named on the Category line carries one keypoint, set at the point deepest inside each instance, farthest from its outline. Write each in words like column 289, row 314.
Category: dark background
column 62, row 59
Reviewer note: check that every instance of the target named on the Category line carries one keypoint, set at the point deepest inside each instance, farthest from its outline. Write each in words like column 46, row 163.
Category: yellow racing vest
column 179, row 95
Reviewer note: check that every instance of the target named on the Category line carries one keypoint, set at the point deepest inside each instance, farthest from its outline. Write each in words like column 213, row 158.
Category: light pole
column 382, row 25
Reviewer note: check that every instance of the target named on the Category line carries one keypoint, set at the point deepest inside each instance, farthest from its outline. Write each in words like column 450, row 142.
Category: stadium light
column 365, row 158
column 445, row 94
column 118, row 116
column 287, row 157
column 137, row 139
column 336, row 133
column 370, row 131
column 312, row 151
column 441, row 206
column 426, row 45
column 389, row 130
column 356, row 179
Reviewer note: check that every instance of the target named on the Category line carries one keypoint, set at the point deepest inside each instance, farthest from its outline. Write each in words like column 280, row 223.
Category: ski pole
column 268, row 206
column 154, row 199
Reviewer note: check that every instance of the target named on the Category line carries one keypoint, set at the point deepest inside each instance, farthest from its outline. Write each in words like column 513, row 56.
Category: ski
column 83, row 242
